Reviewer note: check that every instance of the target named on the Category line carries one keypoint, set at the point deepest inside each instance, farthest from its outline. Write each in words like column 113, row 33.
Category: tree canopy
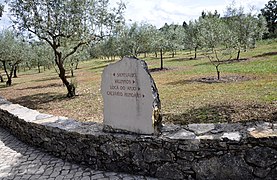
column 13, row 51
column 270, row 14
column 65, row 25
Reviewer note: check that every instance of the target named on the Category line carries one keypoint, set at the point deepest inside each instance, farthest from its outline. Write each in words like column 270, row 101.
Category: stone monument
column 131, row 99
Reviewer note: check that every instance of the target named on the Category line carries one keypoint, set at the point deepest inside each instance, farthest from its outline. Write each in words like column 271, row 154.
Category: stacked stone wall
column 195, row 151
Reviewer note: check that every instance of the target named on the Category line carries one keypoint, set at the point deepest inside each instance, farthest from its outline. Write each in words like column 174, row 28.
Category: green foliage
column 216, row 39
column 270, row 14
column 171, row 38
column 40, row 55
column 66, row 25
column 14, row 50
column 191, row 37
column 127, row 41
column 246, row 28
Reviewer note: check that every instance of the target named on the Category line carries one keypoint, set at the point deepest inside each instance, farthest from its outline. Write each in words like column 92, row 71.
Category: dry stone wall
column 195, row 151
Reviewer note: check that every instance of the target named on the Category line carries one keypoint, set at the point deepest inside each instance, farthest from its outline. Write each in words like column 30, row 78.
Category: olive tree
column 145, row 38
column 173, row 35
column 160, row 45
column 66, row 25
column 73, row 62
column 40, row 55
column 216, row 38
column 12, row 52
column 124, row 45
column 192, row 39
column 246, row 28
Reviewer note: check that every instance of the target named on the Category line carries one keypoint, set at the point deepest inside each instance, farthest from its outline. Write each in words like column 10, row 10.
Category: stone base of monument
column 131, row 98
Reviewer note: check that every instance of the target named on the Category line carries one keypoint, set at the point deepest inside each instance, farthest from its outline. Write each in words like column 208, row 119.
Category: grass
column 185, row 98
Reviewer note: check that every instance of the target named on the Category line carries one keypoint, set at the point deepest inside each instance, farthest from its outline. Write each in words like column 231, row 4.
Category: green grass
column 185, row 98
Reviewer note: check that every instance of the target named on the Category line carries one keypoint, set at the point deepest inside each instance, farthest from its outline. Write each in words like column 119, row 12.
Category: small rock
column 199, row 129
column 182, row 134
column 234, row 136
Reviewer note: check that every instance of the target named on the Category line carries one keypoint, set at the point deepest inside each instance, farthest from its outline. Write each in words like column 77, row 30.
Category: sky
column 159, row 12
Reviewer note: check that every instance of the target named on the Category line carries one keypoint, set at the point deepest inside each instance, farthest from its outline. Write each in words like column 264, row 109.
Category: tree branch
column 74, row 49
column 41, row 37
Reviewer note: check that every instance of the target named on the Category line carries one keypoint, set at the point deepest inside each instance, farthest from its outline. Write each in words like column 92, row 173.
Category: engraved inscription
column 125, row 85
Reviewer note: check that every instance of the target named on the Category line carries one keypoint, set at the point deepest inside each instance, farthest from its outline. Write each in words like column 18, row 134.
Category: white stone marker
column 127, row 90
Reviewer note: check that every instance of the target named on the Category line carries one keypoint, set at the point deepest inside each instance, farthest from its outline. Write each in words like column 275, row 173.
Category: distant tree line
column 219, row 37
column 270, row 14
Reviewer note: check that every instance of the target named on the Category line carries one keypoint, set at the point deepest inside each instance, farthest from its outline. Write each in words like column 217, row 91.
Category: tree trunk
column 69, row 86
column 38, row 68
column 72, row 72
column 15, row 71
column 71, row 69
column 77, row 63
column 217, row 71
column 1, row 78
column 238, row 55
column 59, row 62
column 161, row 51
column 9, row 81
column 156, row 54
column 9, row 76
column 195, row 52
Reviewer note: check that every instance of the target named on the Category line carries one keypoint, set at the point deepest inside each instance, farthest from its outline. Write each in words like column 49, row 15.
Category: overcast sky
column 159, row 12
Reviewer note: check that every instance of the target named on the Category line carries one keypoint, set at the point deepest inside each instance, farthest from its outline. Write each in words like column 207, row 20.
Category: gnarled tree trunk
column 9, row 75
column 69, row 86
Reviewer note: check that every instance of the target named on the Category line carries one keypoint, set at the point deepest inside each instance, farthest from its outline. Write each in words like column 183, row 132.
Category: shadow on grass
column 3, row 85
column 266, row 54
column 47, row 79
column 212, row 80
column 158, row 69
column 43, row 86
column 99, row 67
column 206, row 114
column 224, row 62
column 223, row 114
column 184, row 59
column 188, row 81
column 37, row 100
